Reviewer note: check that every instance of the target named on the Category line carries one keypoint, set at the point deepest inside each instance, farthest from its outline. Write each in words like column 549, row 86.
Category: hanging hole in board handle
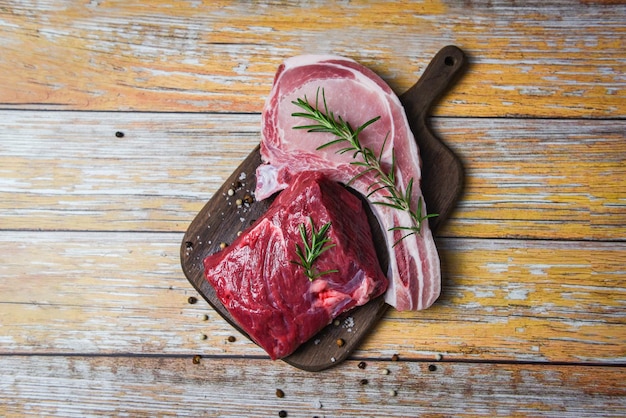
column 449, row 61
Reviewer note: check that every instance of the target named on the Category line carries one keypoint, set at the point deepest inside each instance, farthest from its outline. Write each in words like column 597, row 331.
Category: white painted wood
column 165, row 386
column 524, row 178
column 124, row 292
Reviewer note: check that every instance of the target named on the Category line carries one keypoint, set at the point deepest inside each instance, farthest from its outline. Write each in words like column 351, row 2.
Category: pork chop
column 357, row 94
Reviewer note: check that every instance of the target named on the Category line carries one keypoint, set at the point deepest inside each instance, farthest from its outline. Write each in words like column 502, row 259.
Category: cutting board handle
column 440, row 73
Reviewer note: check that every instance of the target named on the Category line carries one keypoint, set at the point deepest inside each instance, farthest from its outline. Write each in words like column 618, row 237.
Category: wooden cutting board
column 221, row 219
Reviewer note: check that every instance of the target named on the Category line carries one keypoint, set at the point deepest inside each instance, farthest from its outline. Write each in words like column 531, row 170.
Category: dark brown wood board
column 221, row 219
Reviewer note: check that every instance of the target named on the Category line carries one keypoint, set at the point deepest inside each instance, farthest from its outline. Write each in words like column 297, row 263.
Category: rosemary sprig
column 312, row 249
column 385, row 180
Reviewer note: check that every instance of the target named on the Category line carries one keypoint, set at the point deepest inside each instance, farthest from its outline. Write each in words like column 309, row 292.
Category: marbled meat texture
column 356, row 94
column 270, row 297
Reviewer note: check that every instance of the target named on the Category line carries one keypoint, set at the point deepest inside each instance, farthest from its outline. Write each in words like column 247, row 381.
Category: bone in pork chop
column 268, row 295
column 357, row 95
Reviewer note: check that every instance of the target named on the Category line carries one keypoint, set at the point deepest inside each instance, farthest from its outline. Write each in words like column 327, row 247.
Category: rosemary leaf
column 313, row 249
column 371, row 162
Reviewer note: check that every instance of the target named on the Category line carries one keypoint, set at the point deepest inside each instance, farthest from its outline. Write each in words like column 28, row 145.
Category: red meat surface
column 268, row 295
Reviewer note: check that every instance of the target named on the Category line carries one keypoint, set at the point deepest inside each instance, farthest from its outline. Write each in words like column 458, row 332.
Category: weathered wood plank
column 65, row 170
column 549, row 59
column 146, row 386
column 103, row 293
column 561, row 179
column 542, row 178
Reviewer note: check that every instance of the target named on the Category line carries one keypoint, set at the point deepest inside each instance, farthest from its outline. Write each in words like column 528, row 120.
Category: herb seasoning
column 384, row 180
column 312, row 249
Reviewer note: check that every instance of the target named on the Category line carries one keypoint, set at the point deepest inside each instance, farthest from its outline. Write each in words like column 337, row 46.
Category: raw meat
column 269, row 296
column 357, row 95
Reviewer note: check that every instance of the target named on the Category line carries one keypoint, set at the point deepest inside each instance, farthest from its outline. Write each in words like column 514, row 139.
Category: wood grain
column 124, row 292
column 536, row 179
column 529, row 59
column 175, row 386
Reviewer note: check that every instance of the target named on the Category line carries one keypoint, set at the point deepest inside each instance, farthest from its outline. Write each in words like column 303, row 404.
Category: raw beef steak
column 268, row 295
column 357, row 95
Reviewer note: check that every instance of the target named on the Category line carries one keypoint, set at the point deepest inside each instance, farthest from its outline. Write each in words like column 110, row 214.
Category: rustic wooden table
column 119, row 120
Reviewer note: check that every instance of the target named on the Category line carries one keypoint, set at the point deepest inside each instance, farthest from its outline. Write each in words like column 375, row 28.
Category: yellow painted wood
column 550, row 60
column 168, row 386
column 124, row 292
column 524, row 178
column 542, row 179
